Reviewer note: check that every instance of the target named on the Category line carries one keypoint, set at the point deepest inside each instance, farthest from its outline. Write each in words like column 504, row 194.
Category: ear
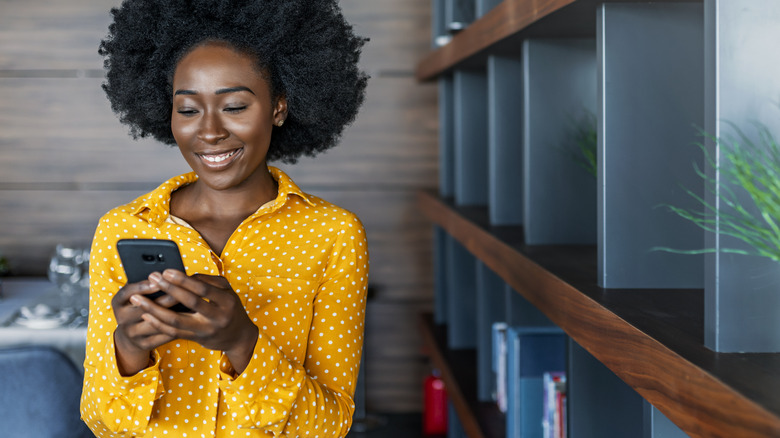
column 280, row 110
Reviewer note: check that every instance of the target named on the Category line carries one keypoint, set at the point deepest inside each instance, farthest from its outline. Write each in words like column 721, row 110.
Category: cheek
column 253, row 130
column 182, row 131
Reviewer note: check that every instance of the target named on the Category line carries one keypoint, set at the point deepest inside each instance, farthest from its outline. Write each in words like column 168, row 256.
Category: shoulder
column 331, row 213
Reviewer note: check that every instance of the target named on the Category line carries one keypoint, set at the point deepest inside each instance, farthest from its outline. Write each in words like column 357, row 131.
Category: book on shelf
column 554, row 420
column 499, row 364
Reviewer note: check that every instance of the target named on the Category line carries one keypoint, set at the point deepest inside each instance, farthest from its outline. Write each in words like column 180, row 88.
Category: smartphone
column 141, row 257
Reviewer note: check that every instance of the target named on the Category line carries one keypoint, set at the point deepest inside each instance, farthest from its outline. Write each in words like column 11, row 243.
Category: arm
column 112, row 404
column 290, row 399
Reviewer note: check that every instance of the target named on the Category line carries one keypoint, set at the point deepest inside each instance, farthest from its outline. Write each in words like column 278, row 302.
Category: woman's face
column 222, row 116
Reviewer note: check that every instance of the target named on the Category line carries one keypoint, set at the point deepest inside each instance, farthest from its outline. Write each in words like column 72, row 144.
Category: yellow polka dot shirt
column 300, row 266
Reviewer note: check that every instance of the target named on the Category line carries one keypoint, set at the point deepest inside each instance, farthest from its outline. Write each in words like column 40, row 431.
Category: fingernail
column 171, row 274
column 135, row 300
column 155, row 277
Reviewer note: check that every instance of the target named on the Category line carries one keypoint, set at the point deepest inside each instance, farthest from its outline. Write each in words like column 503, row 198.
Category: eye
column 235, row 109
column 187, row 112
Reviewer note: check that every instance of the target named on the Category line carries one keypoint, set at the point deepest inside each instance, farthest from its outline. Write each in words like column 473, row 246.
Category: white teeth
column 219, row 158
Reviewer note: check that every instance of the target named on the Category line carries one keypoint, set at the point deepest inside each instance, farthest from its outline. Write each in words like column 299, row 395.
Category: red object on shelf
column 435, row 406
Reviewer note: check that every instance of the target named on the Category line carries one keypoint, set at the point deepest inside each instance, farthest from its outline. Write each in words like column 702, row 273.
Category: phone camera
column 148, row 258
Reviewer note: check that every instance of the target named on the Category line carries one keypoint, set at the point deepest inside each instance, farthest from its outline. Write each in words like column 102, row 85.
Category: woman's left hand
column 219, row 321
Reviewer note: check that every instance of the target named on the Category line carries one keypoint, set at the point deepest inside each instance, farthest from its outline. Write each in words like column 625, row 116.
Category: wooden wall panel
column 63, row 130
column 394, row 344
column 53, row 34
column 399, row 31
column 65, row 160
column 383, row 146
column 35, row 221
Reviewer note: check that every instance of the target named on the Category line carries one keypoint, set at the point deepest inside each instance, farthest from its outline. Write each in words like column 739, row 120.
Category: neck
column 242, row 200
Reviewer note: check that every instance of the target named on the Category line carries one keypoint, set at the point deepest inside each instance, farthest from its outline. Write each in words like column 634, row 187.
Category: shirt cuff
column 130, row 399
column 264, row 394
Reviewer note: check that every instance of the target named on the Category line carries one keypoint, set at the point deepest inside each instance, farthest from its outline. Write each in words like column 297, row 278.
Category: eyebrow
column 220, row 91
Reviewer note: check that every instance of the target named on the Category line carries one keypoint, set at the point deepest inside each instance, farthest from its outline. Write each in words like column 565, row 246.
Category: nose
column 212, row 130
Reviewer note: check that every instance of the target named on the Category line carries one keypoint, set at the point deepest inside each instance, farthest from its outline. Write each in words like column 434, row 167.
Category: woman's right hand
column 134, row 338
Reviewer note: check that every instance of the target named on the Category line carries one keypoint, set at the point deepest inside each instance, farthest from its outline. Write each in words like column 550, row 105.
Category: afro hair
column 306, row 47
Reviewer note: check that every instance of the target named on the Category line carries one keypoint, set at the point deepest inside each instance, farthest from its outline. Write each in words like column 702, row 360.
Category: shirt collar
column 154, row 207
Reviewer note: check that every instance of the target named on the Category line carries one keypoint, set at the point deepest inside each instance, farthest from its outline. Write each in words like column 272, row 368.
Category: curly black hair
column 306, row 47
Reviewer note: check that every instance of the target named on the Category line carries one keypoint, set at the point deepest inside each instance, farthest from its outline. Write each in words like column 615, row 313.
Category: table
column 18, row 292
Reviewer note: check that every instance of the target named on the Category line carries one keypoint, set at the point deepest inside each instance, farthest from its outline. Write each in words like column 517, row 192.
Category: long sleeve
column 313, row 399
column 112, row 405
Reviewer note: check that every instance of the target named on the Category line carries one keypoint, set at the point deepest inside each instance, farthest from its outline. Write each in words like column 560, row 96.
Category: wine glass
column 65, row 271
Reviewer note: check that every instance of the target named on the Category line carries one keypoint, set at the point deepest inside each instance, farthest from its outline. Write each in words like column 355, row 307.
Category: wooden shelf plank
column 652, row 339
column 458, row 370
column 501, row 30
column 506, row 19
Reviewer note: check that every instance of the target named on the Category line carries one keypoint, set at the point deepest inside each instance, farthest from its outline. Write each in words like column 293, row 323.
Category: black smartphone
column 141, row 257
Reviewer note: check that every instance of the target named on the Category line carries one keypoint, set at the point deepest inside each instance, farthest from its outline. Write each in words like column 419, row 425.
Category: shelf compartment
column 458, row 370
column 651, row 65
column 559, row 94
column 651, row 339
column 470, row 130
column 505, row 136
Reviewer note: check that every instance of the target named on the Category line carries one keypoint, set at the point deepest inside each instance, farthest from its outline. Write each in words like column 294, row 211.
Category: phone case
column 141, row 257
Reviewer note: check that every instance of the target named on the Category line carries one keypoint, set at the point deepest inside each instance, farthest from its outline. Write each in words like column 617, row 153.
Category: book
column 554, row 420
column 499, row 364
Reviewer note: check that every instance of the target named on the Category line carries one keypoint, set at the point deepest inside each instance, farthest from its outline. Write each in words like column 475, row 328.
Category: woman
column 276, row 278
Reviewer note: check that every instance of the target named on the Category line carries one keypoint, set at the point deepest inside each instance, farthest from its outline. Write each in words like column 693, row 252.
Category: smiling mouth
column 217, row 159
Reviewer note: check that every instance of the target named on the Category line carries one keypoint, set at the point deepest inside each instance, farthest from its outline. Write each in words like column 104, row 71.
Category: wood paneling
column 394, row 345
column 63, row 130
column 388, row 145
column 399, row 32
column 52, row 34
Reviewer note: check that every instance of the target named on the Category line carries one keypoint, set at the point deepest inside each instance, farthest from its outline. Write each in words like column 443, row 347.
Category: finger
column 166, row 301
column 185, row 290
column 165, row 328
column 142, row 287
column 153, row 341
column 139, row 330
column 197, row 284
column 214, row 280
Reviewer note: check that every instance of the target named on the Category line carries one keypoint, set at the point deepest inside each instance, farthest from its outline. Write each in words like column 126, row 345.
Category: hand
column 219, row 321
column 135, row 338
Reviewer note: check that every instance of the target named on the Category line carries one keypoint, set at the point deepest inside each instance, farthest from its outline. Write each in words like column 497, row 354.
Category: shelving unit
column 524, row 236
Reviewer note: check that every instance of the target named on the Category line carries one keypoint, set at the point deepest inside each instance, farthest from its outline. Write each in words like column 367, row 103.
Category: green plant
column 746, row 167
column 586, row 139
